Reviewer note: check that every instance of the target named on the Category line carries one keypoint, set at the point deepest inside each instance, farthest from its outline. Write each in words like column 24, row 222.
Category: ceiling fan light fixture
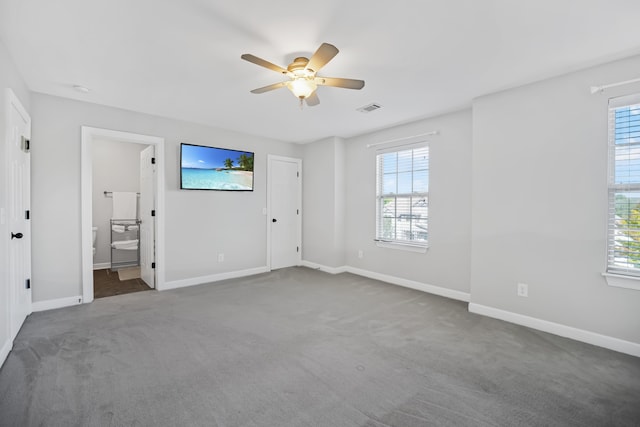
column 302, row 87
column 302, row 73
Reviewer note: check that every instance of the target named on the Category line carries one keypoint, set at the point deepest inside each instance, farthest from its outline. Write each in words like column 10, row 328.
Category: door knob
column 16, row 235
column 274, row 220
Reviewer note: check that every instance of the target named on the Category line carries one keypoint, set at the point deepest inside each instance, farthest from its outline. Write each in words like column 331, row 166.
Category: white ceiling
column 181, row 58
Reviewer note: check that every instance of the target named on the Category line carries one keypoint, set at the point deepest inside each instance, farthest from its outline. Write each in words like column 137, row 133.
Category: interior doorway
column 153, row 183
column 123, row 234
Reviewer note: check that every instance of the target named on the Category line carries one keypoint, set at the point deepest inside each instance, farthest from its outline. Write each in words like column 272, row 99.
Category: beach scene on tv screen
column 209, row 168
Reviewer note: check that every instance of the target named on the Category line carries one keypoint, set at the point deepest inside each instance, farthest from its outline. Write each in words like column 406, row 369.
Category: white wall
column 324, row 202
column 116, row 167
column 9, row 78
column 447, row 261
column 540, row 203
column 199, row 224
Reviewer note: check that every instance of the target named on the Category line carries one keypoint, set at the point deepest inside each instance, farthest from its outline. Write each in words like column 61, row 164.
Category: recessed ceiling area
column 419, row 59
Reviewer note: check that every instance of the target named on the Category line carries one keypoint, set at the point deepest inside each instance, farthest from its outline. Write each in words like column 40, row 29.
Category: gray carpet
column 297, row 347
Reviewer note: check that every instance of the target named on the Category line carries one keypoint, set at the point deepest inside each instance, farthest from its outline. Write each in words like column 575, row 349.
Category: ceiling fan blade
column 312, row 99
column 338, row 82
column 261, row 62
column 324, row 54
column 270, row 87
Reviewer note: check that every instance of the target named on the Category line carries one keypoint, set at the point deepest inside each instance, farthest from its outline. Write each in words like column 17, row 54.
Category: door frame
column 270, row 159
column 89, row 134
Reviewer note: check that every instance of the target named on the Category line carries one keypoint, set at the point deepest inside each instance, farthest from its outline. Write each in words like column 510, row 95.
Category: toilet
column 94, row 232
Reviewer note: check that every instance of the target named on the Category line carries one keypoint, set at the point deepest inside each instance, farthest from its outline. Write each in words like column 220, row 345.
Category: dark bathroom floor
column 106, row 283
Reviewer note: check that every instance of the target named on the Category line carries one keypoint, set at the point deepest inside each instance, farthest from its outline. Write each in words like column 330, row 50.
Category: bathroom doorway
column 121, row 217
column 125, row 248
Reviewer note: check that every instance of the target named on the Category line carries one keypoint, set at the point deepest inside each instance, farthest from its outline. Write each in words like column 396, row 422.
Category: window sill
column 620, row 281
column 402, row 247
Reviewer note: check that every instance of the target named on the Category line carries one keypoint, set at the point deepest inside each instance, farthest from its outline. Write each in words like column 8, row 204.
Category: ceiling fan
column 302, row 73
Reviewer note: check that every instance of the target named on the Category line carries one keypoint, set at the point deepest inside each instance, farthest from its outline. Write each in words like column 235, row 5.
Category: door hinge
column 297, row 211
column 27, row 284
column 298, row 174
column 27, row 214
column 297, row 249
column 153, row 160
column 25, row 144
column 153, row 212
column 153, row 265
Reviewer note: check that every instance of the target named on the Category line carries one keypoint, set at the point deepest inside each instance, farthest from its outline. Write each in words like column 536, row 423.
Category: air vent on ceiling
column 369, row 108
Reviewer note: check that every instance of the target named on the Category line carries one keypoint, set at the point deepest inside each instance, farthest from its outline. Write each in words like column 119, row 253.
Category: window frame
column 402, row 244
column 617, row 275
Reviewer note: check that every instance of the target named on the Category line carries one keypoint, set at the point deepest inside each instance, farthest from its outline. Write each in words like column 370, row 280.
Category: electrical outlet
column 220, row 257
column 360, row 254
column 523, row 290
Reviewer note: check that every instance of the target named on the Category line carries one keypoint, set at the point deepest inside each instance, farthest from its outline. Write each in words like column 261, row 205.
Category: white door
column 285, row 211
column 18, row 210
column 147, row 224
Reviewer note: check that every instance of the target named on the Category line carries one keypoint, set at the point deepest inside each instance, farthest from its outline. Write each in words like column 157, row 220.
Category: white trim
column 270, row 158
column 402, row 246
column 101, row 265
column 182, row 283
column 88, row 135
column 624, row 101
column 431, row 289
column 326, row 269
column 588, row 337
column 622, row 281
column 4, row 351
column 52, row 304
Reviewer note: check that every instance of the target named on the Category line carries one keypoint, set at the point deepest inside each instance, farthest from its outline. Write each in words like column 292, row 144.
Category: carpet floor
column 107, row 283
column 298, row 347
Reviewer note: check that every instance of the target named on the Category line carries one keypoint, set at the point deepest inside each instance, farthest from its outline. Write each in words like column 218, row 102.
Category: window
column 402, row 196
column 623, row 240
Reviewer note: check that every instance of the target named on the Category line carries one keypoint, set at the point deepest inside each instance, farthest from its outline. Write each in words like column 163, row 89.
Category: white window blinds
column 402, row 196
column 623, row 240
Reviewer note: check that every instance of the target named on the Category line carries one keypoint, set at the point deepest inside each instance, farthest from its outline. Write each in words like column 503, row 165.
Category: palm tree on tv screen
column 245, row 162
column 242, row 160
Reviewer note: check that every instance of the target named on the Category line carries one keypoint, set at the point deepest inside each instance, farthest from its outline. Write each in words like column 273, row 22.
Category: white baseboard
column 175, row 284
column 326, row 269
column 4, row 351
column 56, row 303
column 101, row 265
column 588, row 337
column 431, row 289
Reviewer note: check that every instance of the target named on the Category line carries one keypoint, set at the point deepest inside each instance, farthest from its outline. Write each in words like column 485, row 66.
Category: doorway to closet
column 122, row 200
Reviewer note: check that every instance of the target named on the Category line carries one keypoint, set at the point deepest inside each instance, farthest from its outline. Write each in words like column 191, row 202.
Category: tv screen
column 211, row 168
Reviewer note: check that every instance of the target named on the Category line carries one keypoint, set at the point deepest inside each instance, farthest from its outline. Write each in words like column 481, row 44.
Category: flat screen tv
column 211, row 168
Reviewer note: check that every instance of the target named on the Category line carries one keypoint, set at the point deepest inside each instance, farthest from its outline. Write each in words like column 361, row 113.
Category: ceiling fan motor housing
column 297, row 67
